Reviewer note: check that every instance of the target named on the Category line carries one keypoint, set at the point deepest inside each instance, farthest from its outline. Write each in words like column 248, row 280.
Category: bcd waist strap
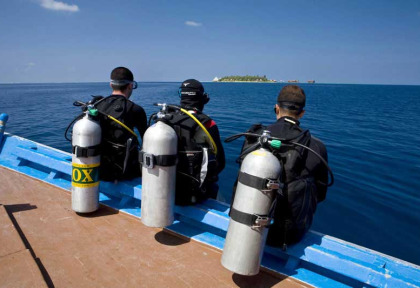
column 86, row 151
column 263, row 184
column 149, row 160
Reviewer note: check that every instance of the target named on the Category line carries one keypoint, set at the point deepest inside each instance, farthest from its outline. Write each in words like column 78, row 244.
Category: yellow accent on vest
column 122, row 124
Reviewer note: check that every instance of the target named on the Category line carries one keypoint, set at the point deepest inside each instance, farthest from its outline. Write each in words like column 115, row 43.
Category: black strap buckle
column 148, row 161
column 78, row 151
column 86, row 151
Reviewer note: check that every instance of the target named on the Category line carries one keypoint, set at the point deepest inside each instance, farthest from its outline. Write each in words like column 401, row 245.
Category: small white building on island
column 215, row 79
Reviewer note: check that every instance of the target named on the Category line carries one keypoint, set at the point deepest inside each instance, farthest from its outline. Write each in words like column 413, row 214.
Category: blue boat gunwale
column 319, row 260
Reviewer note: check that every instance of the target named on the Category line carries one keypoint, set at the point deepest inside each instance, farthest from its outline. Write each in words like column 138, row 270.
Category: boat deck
column 43, row 243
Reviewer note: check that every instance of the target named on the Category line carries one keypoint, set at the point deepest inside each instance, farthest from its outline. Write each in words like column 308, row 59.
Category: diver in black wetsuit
column 119, row 151
column 191, row 186
column 304, row 175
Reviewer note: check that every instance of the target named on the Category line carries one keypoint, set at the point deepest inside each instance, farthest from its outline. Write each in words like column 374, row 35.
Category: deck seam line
column 28, row 246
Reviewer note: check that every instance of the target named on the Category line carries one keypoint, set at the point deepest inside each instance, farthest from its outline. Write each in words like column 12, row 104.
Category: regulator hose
column 322, row 160
column 84, row 105
column 288, row 141
column 119, row 122
column 236, row 136
column 153, row 116
column 202, row 127
column 71, row 123
column 175, row 107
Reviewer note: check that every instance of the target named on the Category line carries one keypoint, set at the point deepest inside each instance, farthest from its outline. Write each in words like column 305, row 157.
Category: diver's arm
column 214, row 132
column 321, row 171
column 140, row 120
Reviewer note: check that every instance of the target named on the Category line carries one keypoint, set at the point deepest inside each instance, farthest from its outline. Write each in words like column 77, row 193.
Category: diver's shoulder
column 317, row 143
column 136, row 108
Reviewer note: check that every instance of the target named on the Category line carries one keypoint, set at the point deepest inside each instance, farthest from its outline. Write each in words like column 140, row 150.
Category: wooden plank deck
column 43, row 243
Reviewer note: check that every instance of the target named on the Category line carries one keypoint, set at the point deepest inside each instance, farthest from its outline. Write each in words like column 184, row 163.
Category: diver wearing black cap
column 119, row 155
column 304, row 175
column 198, row 162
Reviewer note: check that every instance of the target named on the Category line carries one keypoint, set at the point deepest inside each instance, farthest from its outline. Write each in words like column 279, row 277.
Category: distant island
column 246, row 78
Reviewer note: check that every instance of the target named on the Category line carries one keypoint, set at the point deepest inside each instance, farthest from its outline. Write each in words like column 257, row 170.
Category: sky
column 330, row 41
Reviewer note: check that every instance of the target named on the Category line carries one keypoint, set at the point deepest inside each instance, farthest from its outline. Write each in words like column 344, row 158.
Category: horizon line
column 210, row 81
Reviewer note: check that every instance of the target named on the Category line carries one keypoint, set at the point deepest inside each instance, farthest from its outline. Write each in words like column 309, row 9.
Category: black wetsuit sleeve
column 140, row 120
column 320, row 170
column 221, row 161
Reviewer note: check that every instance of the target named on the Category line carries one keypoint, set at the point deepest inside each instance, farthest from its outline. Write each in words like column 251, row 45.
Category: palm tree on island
column 246, row 78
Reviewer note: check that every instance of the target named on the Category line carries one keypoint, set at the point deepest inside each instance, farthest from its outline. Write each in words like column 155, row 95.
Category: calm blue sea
column 371, row 132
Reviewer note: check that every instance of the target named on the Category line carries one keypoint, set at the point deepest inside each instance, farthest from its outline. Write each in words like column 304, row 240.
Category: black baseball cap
column 292, row 97
column 191, row 87
column 192, row 94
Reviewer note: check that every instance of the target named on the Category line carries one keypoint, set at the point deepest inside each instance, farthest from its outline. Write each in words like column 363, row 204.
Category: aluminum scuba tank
column 3, row 119
column 158, row 158
column 86, row 141
column 250, row 212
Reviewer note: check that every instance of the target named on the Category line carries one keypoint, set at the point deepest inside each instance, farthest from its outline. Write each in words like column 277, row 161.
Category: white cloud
column 28, row 66
column 193, row 23
column 59, row 6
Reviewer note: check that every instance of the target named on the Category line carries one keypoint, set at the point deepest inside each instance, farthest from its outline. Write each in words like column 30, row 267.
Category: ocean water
column 371, row 132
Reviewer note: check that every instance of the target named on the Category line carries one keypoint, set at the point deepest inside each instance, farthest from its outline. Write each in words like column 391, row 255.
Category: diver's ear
column 301, row 114
column 276, row 109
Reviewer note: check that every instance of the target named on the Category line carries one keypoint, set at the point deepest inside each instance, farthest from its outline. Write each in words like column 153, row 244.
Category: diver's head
column 122, row 81
column 290, row 102
column 193, row 95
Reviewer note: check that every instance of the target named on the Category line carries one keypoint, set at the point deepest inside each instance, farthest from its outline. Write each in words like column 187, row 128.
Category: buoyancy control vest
column 297, row 200
column 119, row 157
column 197, row 165
column 297, row 206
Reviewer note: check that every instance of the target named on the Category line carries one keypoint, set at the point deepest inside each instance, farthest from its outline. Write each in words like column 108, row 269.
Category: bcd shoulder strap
column 185, row 127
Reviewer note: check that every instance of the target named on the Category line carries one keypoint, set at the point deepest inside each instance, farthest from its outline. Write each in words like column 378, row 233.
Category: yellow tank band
column 84, row 176
column 84, row 185
column 85, row 165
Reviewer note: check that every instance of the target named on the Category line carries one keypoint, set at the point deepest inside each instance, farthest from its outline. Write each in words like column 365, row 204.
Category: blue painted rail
column 319, row 260
column 3, row 120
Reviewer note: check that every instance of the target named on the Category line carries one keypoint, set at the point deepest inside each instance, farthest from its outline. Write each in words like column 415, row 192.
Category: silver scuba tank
column 86, row 139
column 158, row 158
column 250, row 212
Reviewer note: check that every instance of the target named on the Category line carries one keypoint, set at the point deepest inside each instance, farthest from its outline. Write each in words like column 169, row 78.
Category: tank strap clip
column 261, row 221
column 252, row 220
column 263, row 184
column 273, row 185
